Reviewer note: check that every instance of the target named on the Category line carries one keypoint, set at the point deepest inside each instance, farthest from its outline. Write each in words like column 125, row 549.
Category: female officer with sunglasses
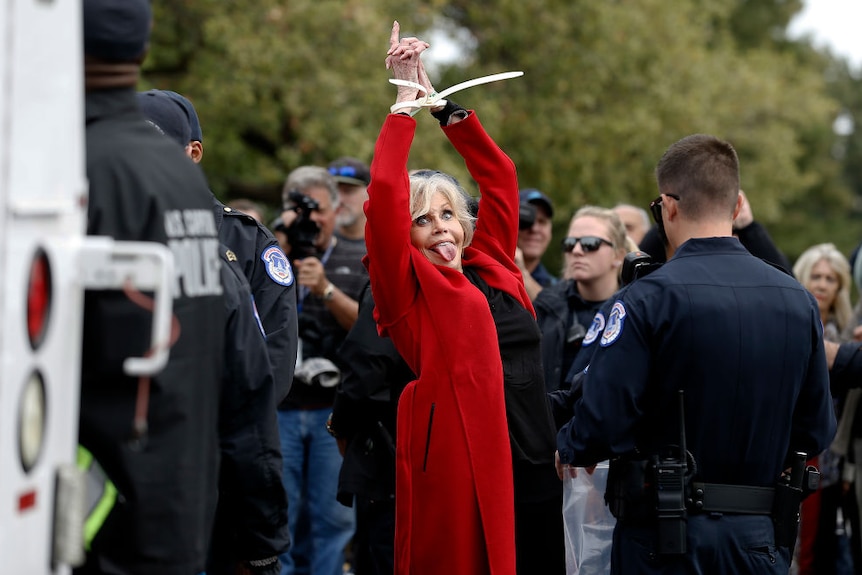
column 593, row 251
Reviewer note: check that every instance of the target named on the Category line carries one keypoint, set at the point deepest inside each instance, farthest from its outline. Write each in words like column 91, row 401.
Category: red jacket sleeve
column 387, row 231
column 497, row 226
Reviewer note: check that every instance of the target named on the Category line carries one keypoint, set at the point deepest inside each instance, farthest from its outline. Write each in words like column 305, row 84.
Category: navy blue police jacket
column 742, row 339
column 272, row 283
column 251, row 517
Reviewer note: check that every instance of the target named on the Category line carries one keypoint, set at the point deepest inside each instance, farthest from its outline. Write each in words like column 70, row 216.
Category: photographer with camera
column 331, row 276
column 697, row 481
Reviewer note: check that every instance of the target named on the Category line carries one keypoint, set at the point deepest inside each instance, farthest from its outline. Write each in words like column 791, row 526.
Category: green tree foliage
column 607, row 87
column 276, row 84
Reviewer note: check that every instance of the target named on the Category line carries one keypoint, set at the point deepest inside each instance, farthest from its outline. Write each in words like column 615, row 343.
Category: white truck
column 46, row 263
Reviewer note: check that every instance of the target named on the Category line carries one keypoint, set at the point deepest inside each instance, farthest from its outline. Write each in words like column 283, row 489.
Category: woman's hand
column 403, row 58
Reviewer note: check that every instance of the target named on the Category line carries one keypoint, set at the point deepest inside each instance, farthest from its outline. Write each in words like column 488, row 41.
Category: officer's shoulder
column 249, row 224
column 786, row 273
column 232, row 271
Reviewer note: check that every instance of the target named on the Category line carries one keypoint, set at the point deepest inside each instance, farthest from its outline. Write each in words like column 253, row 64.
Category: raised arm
column 494, row 171
column 387, row 231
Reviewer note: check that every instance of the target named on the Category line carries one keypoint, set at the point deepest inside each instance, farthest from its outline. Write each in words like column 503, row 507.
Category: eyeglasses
column 345, row 171
column 588, row 243
column 655, row 206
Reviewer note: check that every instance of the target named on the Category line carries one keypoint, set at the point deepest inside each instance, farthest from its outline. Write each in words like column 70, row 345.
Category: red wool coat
column 454, row 492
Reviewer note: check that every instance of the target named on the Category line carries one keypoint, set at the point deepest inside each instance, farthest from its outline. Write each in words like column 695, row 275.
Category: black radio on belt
column 669, row 473
column 792, row 487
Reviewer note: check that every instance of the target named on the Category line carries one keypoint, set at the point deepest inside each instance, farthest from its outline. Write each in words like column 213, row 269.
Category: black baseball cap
column 534, row 196
column 187, row 105
column 166, row 114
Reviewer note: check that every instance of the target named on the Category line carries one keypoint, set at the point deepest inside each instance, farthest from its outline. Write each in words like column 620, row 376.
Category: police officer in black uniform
column 264, row 264
column 161, row 453
column 251, row 521
column 731, row 347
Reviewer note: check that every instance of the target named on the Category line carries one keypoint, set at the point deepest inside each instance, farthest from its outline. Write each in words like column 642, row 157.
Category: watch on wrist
column 328, row 292
column 329, row 424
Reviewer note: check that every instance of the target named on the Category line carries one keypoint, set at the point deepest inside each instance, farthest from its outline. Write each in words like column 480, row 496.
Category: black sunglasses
column 588, row 243
column 655, row 207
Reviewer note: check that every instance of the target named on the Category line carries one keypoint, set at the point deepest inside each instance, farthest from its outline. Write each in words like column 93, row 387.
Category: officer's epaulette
column 232, row 212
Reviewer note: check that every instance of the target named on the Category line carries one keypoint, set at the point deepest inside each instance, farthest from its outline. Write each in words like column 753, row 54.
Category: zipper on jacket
column 428, row 437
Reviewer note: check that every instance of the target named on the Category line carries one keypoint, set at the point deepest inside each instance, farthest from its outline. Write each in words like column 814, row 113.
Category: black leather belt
column 721, row 498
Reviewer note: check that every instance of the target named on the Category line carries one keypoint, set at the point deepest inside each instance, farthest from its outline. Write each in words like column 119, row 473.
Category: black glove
column 446, row 112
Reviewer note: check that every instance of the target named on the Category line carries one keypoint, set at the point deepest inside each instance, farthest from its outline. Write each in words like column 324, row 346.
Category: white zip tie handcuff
column 435, row 99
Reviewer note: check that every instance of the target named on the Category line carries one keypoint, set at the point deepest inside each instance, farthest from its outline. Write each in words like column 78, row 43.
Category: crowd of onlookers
column 596, row 243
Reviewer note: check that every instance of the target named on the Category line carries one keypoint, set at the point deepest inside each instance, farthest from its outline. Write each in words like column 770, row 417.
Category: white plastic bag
column 588, row 523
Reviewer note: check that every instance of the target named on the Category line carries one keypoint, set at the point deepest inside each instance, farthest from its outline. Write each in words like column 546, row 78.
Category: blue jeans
column 311, row 467
column 739, row 544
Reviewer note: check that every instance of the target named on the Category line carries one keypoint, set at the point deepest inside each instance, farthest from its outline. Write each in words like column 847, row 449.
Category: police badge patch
column 615, row 324
column 277, row 266
column 596, row 328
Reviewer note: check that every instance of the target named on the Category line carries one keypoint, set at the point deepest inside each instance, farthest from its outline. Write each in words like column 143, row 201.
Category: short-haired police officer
column 739, row 344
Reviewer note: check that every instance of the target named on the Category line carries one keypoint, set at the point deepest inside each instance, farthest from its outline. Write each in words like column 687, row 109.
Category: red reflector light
column 38, row 298
column 27, row 501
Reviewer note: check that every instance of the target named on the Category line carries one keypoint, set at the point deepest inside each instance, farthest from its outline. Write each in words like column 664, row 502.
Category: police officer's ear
column 740, row 203
column 671, row 208
column 195, row 150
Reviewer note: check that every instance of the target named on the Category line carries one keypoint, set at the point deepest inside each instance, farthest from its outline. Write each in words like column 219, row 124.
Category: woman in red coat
column 448, row 296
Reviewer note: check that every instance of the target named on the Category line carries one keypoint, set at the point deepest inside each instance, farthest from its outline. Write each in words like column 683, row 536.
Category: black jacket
column 558, row 307
column 373, row 376
column 251, row 519
column 143, row 188
column 272, row 283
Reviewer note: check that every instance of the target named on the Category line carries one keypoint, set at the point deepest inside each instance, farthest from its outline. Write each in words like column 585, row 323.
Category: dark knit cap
column 116, row 30
column 166, row 114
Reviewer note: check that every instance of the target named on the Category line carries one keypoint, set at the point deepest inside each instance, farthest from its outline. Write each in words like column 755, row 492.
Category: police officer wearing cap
column 251, row 519
column 709, row 373
column 155, row 438
column 264, row 264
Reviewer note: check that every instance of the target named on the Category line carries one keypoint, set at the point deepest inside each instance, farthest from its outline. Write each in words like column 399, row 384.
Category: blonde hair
column 841, row 309
column 616, row 228
column 425, row 183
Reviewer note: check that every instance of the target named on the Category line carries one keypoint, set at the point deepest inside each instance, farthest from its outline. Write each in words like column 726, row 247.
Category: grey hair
column 642, row 212
column 305, row 177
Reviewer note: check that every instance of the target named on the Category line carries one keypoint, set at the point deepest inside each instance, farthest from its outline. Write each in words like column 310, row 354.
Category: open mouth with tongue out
column 445, row 250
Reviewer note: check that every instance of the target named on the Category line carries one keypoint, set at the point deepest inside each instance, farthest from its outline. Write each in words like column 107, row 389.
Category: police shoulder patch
column 277, row 266
column 615, row 324
column 596, row 328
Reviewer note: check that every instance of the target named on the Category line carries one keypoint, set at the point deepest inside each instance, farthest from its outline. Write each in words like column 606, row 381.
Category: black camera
column 637, row 265
column 303, row 232
column 526, row 216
